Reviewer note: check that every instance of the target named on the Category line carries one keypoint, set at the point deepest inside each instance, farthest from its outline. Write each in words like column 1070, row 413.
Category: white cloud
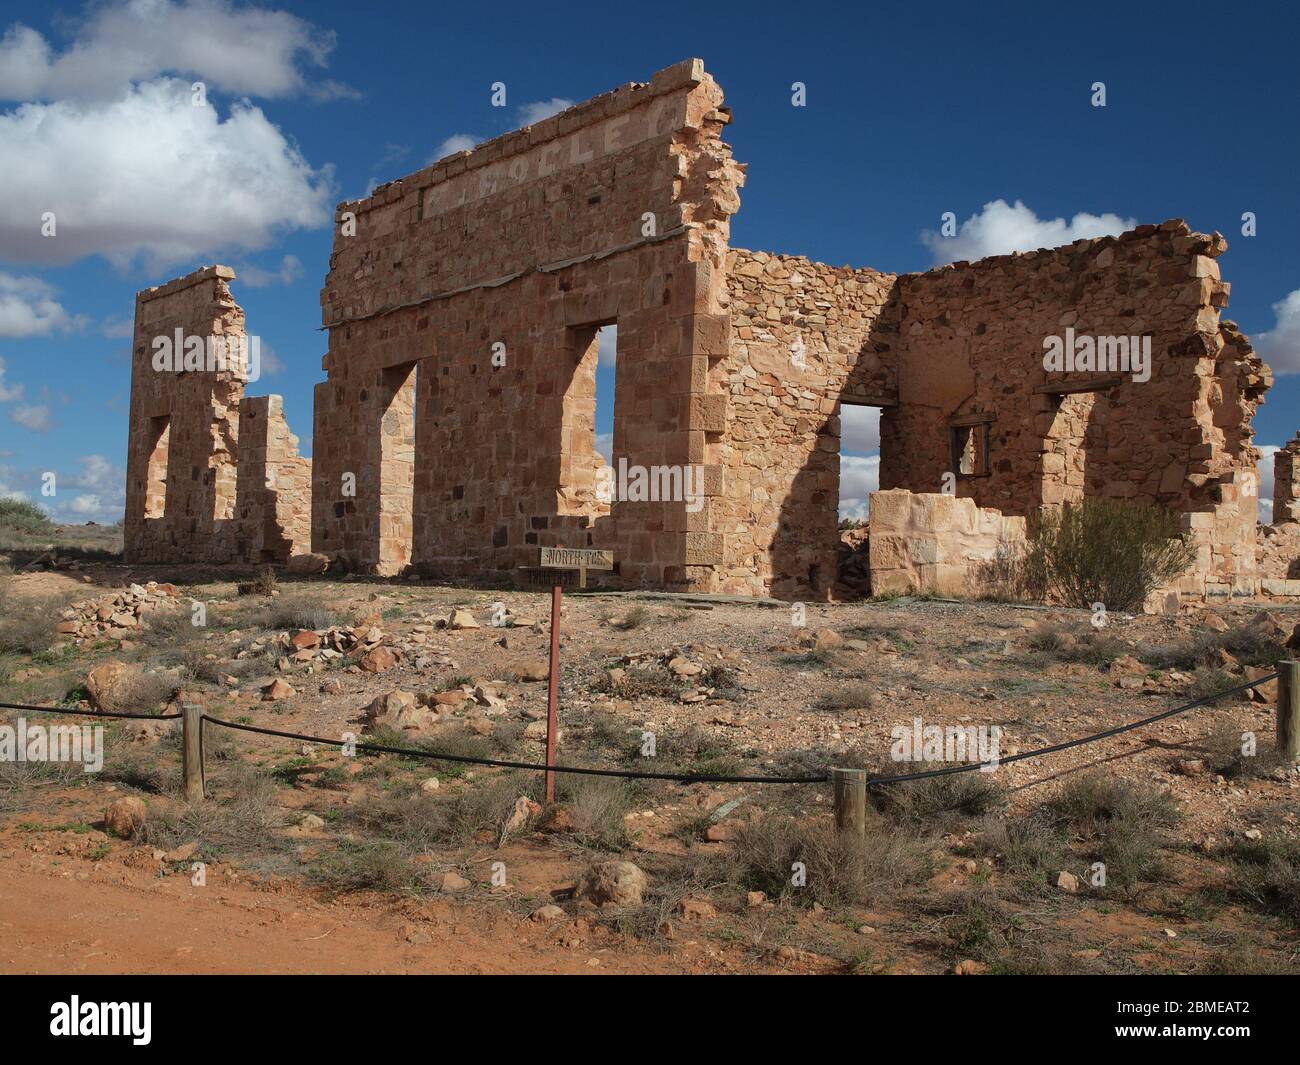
column 1265, row 473
column 1280, row 346
column 117, row 326
column 148, row 173
column 540, row 110
column 28, row 308
column 607, row 345
column 859, row 428
column 33, row 416
column 255, row 277
column 457, row 142
column 859, row 477
column 999, row 229
column 245, row 51
column 8, row 393
column 605, row 447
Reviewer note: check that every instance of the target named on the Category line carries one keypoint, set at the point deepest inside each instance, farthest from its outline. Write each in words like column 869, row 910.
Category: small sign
column 579, row 558
column 576, row 558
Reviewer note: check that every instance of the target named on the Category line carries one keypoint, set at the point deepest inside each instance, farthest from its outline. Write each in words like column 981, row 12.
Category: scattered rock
column 1067, row 882
column 308, row 563
column 534, row 669
column 970, row 967
column 697, row 910
column 828, row 640
column 377, row 660
column 453, row 883
column 612, row 883
column 277, row 689
column 462, row 619
column 431, row 784
column 523, row 813
column 101, row 681
column 125, row 817
column 549, row 912
column 1190, row 767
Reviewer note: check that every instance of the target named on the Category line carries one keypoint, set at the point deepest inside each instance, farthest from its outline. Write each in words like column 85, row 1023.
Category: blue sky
column 912, row 111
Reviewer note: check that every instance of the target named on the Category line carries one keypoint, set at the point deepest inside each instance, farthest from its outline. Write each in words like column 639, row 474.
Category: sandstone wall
column 930, row 542
column 806, row 337
column 180, row 469
column 211, row 476
column 613, row 211
column 273, row 497
column 971, row 347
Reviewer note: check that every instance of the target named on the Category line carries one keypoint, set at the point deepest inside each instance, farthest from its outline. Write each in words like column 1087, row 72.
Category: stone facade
column 454, row 431
column 931, row 542
column 192, row 494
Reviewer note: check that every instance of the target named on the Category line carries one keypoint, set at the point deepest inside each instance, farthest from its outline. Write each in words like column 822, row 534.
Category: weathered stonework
column 454, row 431
column 192, row 494
column 931, row 542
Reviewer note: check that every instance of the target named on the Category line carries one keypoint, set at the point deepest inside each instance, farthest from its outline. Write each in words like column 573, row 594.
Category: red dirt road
column 69, row 916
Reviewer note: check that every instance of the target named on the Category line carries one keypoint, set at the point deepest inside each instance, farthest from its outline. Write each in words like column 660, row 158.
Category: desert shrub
column 849, row 697
column 297, row 611
column 1225, row 757
column 1123, row 822
column 1252, row 645
column 265, row 583
column 1090, row 647
column 937, row 799
column 365, row 866
column 1266, row 872
column 18, row 515
column 1029, row 848
column 598, row 806
column 840, row 870
column 1107, row 551
column 27, row 623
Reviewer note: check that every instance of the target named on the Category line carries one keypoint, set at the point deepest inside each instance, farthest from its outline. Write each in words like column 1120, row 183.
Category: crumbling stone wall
column 806, row 338
column 180, row 471
column 455, row 430
column 971, row 345
column 273, row 508
column 489, row 271
column 192, row 493
column 931, row 542
column 1279, row 542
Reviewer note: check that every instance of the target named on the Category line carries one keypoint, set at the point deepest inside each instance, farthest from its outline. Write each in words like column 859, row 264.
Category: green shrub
column 1107, row 551
column 21, row 516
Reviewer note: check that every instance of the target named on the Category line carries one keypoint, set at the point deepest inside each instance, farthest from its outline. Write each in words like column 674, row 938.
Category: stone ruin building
column 454, row 431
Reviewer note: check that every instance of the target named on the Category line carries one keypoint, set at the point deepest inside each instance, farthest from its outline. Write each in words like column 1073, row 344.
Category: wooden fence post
column 192, row 729
column 850, row 802
column 1288, row 709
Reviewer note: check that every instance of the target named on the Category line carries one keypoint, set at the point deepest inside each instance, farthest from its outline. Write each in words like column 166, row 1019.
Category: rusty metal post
column 553, row 691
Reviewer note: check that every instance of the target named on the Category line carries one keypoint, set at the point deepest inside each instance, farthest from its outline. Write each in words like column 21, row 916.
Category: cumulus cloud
column 457, row 142
column 8, row 392
column 859, row 428
column 290, row 270
column 1280, row 346
column 859, row 477
column 28, row 308
column 1265, row 472
column 148, row 173
column 607, row 345
column 540, row 110
column 999, row 229
column 33, row 416
column 245, row 51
